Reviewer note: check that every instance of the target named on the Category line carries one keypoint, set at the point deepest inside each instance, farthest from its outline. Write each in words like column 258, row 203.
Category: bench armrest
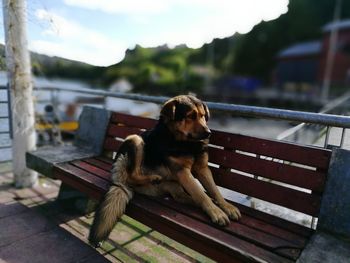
column 45, row 158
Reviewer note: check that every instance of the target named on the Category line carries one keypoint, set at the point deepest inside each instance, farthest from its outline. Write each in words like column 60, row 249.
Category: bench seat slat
column 238, row 229
column 158, row 216
column 92, row 169
column 105, row 159
column 275, row 221
column 81, row 180
column 144, row 209
column 106, row 165
column 250, row 234
column 287, row 197
column 100, row 164
column 290, row 238
column 249, row 229
column 304, row 178
column 311, row 156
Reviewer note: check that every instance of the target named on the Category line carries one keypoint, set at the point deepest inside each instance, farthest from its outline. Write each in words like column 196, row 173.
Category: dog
column 165, row 160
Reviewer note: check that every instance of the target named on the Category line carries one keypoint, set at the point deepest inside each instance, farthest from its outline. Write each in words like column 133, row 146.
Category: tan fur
column 113, row 204
column 137, row 177
column 194, row 126
column 202, row 172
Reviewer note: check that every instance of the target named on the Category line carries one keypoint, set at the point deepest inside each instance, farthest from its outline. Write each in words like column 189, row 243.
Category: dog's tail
column 113, row 205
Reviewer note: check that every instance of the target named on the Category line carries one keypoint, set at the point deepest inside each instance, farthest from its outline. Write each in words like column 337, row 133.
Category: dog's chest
column 159, row 146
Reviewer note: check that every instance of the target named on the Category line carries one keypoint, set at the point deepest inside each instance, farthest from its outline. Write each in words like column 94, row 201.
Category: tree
column 20, row 85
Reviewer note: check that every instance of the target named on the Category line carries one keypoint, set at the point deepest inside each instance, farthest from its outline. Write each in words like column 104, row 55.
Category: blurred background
column 273, row 53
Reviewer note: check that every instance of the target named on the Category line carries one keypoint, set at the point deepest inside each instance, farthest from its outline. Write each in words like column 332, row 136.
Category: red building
column 341, row 66
column 306, row 62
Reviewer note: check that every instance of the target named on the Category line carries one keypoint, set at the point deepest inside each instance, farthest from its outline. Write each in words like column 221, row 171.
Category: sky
column 99, row 31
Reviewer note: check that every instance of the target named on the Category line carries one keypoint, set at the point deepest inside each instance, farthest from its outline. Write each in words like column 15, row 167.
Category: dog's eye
column 192, row 116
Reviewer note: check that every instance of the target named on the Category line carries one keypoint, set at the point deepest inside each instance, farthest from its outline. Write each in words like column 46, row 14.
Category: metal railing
column 234, row 109
column 306, row 119
column 9, row 126
column 332, row 106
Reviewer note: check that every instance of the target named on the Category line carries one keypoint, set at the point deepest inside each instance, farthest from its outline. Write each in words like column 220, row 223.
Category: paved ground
column 34, row 228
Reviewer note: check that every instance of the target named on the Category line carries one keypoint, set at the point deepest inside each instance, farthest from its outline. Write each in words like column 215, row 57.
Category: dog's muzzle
column 202, row 136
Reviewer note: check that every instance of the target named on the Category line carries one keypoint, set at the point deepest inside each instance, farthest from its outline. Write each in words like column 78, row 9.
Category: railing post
column 342, row 138
column 328, row 130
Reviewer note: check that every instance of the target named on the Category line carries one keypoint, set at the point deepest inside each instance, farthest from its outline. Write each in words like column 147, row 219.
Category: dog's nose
column 207, row 134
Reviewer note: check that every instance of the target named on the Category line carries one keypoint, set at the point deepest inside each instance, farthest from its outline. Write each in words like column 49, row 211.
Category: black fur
column 160, row 144
column 128, row 148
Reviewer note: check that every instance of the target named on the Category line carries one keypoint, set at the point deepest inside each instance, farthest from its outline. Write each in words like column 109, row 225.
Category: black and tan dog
column 173, row 154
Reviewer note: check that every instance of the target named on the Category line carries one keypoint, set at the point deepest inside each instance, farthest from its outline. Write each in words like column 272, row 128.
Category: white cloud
column 213, row 19
column 120, row 7
column 69, row 39
column 223, row 17
column 269, row 9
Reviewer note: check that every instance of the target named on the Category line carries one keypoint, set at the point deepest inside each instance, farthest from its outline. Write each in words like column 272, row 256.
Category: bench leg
column 74, row 200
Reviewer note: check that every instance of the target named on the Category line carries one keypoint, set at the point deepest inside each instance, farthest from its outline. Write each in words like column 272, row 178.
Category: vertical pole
column 20, row 85
column 328, row 131
column 331, row 53
column 342, row 138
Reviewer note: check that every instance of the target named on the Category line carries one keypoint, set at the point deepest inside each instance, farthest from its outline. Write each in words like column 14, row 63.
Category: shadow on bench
column 284, row 174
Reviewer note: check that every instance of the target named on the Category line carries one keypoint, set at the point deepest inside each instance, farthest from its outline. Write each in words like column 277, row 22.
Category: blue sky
column 99, row 31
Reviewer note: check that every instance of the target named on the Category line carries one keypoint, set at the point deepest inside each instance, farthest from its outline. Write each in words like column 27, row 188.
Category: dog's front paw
column 217, row 216
column 155, row 179
column 230, row 210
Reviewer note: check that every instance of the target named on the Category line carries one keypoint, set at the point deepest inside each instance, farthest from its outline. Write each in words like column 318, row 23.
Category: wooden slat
column 272, row 220
column 246, row 229
column 105, row 159
column 247, row 220
column 306, row 155
column 79, row 179
column 121, row 131
column 250, row 234
column 276, row 194
column 92, row 169
column 83, row 180
column 208, row 240
column 305, row 178
column 111, row 144
column 280, row 227
column 133, row 121
column 98, row 163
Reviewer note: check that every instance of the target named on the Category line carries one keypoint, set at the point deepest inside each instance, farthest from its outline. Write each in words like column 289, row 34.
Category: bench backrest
column 286, row 174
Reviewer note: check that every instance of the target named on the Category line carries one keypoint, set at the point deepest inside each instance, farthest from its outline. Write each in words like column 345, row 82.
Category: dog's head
column 186, row 117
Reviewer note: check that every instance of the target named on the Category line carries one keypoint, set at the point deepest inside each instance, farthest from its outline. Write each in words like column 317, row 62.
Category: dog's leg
column 173, row 188
column 204, row 175
column 188, row 182
column 177, row 192
column 134, row 145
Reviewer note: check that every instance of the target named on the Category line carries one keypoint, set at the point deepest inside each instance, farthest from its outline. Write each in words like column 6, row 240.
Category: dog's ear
column 168, row 110
column 207, row 113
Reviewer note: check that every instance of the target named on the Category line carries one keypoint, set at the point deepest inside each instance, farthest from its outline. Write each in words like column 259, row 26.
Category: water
column 5, row 154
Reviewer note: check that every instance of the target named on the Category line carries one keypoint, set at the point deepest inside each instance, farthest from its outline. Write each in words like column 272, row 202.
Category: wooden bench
column 284, row 174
